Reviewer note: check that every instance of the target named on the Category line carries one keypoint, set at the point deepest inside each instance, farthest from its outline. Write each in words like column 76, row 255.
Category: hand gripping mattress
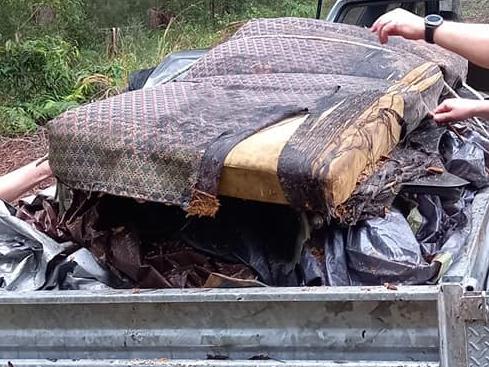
column 289, row 111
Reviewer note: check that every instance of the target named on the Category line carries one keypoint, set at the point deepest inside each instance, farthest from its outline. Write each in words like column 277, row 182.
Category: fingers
column 399, row 22
column 444, row 113
column 381, row 20
column 384, row 19
column 378, row 27
column 384, row 28
column 389, row 29
column 444, row 107
column 444, row 118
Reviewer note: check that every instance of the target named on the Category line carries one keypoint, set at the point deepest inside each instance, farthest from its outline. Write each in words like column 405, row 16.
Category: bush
column 41, row 68
column 15, row 121
column 70, row 21
column 41, row 78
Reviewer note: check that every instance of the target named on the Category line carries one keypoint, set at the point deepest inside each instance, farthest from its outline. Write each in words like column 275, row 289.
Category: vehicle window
column 393, row 6
column 354, row 14
column 365, row 15
column 417, row 7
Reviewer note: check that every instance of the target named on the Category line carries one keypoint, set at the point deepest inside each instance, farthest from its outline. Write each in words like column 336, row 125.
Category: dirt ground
column 16, row 152
column 476, row 11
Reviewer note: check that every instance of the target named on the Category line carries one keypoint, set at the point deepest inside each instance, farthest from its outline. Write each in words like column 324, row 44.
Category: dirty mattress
column 287, row 110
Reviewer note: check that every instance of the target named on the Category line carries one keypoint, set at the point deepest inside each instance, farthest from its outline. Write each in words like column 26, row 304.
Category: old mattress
column 286, row 111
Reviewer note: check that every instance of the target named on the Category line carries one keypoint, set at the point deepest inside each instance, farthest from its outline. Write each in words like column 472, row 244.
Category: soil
column 475, row 11
column 19, row 151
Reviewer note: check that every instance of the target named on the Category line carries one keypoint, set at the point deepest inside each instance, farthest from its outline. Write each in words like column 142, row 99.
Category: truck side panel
column 298, row 324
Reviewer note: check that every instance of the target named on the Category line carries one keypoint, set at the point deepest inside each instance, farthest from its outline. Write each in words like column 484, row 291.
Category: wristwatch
column 431, row 23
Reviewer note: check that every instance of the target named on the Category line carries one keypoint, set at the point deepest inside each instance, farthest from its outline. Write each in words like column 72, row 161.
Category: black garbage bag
column 385, row 250
column 335, row 266
column 430, row 232
column 467, row 158
column 81, row 271
column 138, row 78
column 312, row 267
column 400, row 248
column 157, row 246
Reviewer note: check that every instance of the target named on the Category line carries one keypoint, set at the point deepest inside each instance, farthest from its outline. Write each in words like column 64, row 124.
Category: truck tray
column 324, row 326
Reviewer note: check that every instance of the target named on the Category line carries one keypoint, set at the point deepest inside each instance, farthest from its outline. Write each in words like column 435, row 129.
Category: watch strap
column 429, row 34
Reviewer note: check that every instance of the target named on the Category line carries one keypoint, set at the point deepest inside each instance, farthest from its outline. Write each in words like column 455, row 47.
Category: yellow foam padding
column 250, row 169
column 362, row 147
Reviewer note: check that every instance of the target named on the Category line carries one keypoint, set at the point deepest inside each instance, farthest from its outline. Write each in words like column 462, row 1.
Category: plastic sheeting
column 30, row 260
column 387, row 250
column 422, row 235
column 156, row 246
column 467, row 158
column 145, row 245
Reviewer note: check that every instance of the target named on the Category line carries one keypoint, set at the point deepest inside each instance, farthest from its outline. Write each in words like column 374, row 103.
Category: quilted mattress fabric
column 170, row 143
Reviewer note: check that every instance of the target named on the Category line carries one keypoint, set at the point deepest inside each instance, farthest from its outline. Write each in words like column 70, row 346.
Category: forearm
column 482, row 110
column 13, row 185
column 468, row 40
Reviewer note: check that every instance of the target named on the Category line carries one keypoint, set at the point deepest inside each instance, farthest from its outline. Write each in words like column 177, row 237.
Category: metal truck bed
column 350, row 324
column 326, row 326
column 209, row 363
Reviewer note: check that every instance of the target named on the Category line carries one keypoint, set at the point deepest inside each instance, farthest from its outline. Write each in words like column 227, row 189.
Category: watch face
column 434, row 20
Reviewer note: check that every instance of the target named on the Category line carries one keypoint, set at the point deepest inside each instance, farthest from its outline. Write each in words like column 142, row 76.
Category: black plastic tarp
column 104, row 241
column 30, row 260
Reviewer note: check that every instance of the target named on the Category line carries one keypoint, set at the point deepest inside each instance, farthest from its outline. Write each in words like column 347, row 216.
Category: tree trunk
column 113, row 39
column 43, row 14
column 212, row 9
column 158, row 18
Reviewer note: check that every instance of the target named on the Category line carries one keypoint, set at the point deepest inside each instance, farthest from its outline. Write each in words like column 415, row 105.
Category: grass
column 46, row 70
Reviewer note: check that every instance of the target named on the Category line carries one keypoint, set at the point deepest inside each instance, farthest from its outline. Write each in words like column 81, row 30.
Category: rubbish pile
column 107, row 241
column 357, row 187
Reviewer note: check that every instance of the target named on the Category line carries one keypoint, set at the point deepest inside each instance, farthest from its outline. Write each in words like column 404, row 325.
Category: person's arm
column 461, row 109
column 468, row 40
column 14, row 184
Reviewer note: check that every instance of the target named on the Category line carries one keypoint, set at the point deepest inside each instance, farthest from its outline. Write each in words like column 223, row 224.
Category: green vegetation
column 58, row 54
column 475, row 11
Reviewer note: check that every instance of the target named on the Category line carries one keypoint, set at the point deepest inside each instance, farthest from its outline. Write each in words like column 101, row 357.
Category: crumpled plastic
column 248, row 244
column 24, row 253
column 30, row 260
column 156, row 246
column 81, row 271
column 423, row 234
column 384, row 250
column 467, row 158
column 264, row 237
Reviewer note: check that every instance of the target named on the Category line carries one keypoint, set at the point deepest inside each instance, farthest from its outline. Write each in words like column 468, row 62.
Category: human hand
column 456, row 109
column 399, row 22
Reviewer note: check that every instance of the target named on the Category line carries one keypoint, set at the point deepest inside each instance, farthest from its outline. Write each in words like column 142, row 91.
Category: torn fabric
column 169, row 143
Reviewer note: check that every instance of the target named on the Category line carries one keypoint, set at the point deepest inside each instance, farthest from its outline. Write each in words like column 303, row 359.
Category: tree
column 26, row 17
